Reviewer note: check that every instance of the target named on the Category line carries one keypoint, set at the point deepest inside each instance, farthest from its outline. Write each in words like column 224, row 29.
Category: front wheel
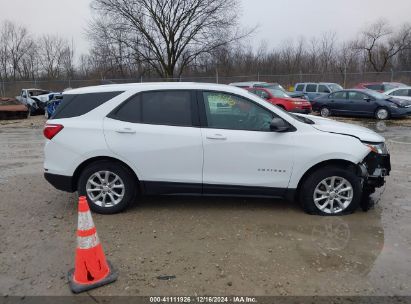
column 331, row 191
column 109, row 186
column 382, row 114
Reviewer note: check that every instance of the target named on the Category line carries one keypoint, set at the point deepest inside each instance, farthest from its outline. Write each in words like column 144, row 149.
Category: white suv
column 113, row 142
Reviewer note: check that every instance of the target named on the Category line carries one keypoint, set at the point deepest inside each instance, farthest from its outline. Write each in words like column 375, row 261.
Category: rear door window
column 356, row 96
column 311, row 88
column 173, row 108
column 74, row 105
column 338, row 95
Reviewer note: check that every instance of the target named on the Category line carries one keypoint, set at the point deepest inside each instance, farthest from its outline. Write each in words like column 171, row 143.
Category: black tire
column 309, row 185
column 282, row 107
column 126, row 176
column 382, row 109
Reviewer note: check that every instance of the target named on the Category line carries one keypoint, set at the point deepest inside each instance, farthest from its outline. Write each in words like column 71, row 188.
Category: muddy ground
column 213, row 246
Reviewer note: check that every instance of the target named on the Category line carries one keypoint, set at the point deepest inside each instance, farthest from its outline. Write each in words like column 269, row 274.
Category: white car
column 35, row 99
column 402, row 93
column 113, row 142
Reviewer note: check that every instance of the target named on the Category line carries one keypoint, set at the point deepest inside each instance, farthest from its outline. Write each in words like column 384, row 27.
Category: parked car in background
column 283, row 100
column 274, row 85
column 314, row 90
column 113, row 142
column 357, row 102
column 379, row 86
column 52, row 105
column 35, row 99
column 402, row 93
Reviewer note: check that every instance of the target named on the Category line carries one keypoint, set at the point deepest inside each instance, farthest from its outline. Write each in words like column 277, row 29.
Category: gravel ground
column 213, row 246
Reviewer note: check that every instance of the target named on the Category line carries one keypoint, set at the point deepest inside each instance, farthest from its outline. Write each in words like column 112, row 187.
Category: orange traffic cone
column 92, row 270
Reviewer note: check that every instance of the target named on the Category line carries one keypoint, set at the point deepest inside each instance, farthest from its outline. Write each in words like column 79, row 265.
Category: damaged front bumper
column 373, row 169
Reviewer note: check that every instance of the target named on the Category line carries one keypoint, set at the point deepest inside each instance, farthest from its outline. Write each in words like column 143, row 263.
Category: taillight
column 50, row 130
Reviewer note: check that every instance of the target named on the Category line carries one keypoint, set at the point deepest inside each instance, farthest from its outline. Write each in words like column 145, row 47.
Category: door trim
column 173, row 188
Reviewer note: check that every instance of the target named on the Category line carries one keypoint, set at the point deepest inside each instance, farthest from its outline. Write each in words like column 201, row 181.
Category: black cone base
column 78, row 288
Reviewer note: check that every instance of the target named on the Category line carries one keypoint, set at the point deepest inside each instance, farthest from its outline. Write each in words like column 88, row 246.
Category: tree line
column 195, row 38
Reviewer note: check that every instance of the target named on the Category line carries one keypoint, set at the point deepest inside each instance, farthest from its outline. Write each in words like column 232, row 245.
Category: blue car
column 362, row 103
column 52, row 105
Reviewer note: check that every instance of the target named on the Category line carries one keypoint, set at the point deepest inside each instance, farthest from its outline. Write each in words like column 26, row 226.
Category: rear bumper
column 60, row 182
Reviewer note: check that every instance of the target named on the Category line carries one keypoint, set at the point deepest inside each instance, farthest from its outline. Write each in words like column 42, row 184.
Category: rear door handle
column 217, row 137
column 126, row 131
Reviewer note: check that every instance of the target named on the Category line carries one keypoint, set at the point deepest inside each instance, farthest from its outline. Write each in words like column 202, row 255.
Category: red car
column 379, row 86
column 279, row 98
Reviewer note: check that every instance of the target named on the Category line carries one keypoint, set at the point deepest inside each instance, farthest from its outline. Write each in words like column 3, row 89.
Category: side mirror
column 367, row 99
column 279, row 125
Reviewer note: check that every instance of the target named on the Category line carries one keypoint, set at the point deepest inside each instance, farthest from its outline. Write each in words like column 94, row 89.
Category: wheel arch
column 89, row 161
column 331, row 162
column 385, row 107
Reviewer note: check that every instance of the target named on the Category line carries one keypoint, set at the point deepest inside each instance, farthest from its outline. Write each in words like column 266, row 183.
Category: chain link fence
column 347, row 80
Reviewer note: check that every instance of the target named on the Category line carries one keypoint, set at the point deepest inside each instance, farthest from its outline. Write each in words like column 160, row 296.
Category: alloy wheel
column 105, row 189
column 382, row 114
column 333, row 195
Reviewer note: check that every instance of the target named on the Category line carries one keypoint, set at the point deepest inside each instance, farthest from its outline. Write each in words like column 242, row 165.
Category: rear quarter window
column 299, row 88
column 74, row 105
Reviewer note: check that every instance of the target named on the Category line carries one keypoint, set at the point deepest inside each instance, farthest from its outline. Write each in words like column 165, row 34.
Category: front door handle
column 126, row 131
column 217, row 137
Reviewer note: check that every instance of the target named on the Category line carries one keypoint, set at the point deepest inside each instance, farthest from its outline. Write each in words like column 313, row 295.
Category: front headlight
column 377, row 148
column 297, row 102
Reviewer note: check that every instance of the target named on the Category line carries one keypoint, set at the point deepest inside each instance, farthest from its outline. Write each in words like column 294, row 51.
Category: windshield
column 335, row 87
column 279, row 93
column 377, row 95
column 388, row 87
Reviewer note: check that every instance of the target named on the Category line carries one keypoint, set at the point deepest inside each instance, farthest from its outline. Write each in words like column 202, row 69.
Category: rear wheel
column 109, row 186
column 325, row 112
column 382, row 114
column 331, row 191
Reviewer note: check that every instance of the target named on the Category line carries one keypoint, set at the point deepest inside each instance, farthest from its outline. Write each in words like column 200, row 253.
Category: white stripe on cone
column 85, row 221
column 87, row 242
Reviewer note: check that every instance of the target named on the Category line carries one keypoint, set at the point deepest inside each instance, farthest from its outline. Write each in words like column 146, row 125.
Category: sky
column 277, row 20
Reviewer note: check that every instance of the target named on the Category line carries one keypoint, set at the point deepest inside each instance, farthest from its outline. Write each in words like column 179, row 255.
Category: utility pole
column 345, row 76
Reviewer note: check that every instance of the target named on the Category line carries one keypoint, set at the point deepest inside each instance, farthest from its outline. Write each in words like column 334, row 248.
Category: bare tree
column 381, row 43
column 53, row 52
column 15, row 44
column 169, row 35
